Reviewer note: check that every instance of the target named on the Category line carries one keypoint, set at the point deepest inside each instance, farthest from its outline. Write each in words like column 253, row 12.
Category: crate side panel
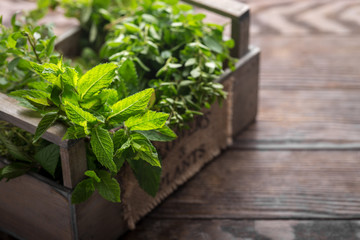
column 245, row 91
column 100, row 219
column 32, row 209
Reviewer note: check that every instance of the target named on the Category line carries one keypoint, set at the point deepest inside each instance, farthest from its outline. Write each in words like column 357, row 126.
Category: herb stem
column 33, row 48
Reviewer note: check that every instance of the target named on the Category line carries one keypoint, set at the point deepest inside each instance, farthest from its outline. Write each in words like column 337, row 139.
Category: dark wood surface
column 295, row 173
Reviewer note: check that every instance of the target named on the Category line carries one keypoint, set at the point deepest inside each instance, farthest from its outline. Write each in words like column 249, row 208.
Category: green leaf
column 147, row 121
column 92, row 174
column 127, row 72
column 119, row 138
column 96, row 79
column 14, row 169
column 108, row 188
column 46, row 122
column 47, row 71
column 132, row 28
column 103, row 147
column 33, row 93
column 213, row 44
column 148, row 176
column 83, row 191
column 74, row 132
column 48, row 157
column 144, row 149
column 70, row 77
column 77, row 115
column 131, row 106
column 163, row 134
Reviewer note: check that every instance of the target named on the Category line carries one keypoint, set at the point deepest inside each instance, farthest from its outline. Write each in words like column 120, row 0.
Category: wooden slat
column 236, row 229
column 305, row 117
column 28, row 120
column 271, row 184
column 73, row 163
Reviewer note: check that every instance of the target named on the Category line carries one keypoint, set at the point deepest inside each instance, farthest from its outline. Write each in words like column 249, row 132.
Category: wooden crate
column 33, row 207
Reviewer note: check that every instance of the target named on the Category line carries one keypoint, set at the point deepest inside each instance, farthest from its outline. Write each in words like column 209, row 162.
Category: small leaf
column 195, row 73
column 213, row 44
column 148, row 121
column 92, row 174
column 144, row 149
column 103, row 147
column 108, row 188
column 96, row 79
column 44, row 124
column 163, row 134
column 83, row 191
column 190, row 62
column 74, row 132
column 48, row 157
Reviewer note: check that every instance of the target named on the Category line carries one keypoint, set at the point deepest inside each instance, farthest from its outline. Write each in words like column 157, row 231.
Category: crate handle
column 239, row 13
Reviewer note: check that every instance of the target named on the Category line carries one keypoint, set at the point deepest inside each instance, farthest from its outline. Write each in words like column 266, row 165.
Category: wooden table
column 295, row 173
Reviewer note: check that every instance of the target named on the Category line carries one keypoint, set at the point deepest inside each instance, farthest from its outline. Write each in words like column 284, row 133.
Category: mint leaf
column 92, row 174
column 148, row 176
column 46, row 122
column 108, row 188
column 119, row 138
column 103, row 147
column 83, row 191
column 74, row 132
column 48, row 71
column 147, row 121
column 77, row 115
column 144, row 149
column 163, row 134
column 96, row 79
column 127, row 72
column 130, row 106
column 48, row 157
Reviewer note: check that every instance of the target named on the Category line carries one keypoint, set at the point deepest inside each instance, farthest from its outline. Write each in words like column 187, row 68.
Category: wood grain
column 271, row 184
column 308, row 63
column 73, row 163
column 319, row 117
column 26, row 119
column 46, row 208
column 175, row 229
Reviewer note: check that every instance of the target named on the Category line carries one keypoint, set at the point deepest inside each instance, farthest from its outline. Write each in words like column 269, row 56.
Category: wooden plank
column 307, row 63
column 28, row 120
column 33, row 209
column 73, row 163
column 271, row 184
column 244, row 92
column 165, row 229
column 306, row 117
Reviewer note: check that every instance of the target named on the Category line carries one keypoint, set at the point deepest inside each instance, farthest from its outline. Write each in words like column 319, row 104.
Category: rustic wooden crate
column 33, row 207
